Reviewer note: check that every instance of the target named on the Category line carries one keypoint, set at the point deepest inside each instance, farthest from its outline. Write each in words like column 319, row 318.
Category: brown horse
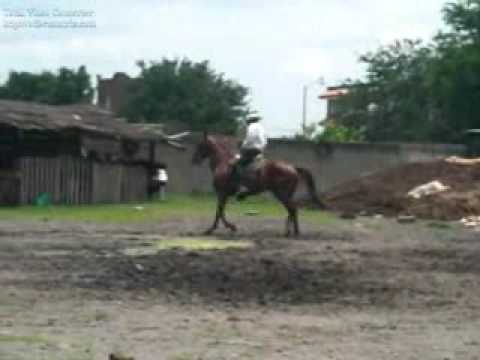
column 277, row 177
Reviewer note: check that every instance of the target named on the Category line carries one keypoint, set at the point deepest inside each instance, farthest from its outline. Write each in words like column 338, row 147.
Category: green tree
column 395, row 87
column 422, row 92
column 454, row 76
column 189, row 93
column 463, row 17
column 340, row 134
column 66, row 86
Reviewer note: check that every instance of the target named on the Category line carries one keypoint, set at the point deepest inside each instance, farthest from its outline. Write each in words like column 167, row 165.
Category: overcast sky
column 272, row 46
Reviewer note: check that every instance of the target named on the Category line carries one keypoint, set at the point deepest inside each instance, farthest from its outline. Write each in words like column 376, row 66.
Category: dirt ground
column 363, row 289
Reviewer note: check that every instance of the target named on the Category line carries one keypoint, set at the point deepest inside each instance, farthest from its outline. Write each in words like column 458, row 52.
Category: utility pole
column 319, row 81
column 304, row 112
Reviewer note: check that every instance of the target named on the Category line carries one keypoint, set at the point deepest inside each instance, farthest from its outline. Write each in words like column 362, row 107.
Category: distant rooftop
column 32, row 116
column 334, row 92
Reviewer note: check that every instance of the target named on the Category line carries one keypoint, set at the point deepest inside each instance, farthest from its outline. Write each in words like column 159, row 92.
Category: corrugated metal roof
column 33, row 116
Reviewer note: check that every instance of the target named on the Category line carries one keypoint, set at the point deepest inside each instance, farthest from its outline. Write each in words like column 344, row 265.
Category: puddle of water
column 189, row 244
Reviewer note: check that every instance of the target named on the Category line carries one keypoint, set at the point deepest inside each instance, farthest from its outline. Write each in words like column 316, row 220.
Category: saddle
column 256, row 164
column 249, row 171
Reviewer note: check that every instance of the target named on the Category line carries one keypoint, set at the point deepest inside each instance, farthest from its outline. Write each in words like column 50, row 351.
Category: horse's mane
column 226, row 144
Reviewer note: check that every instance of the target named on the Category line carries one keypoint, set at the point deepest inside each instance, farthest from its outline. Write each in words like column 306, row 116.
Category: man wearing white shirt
column 255, row 139
column 254, row 144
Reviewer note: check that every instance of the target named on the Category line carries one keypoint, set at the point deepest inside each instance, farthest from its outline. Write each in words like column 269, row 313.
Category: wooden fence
column 70, row 180
column 9, row 187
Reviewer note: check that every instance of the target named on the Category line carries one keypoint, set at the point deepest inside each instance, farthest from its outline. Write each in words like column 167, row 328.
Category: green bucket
column 43, row 199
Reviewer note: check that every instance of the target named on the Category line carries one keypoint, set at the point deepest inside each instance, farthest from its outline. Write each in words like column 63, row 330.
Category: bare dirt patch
column 364, row 289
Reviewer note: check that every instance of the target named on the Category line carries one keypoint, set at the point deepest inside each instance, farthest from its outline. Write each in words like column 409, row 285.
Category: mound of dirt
column 386, row 192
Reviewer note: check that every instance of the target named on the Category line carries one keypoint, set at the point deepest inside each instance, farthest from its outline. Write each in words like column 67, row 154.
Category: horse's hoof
column 233, row 228
column 208, row 232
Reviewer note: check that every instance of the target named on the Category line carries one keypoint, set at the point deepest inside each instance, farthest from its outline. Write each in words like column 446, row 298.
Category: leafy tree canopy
column 189, row 93
column 421, row 92
column 66, row 86
column 340, row 134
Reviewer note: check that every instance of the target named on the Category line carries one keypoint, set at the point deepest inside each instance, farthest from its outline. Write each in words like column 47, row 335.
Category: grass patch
column 184, row 356
column 189, row 244
column 23, row 339
column 199, row 244
column 440, row 225
column 176, row 206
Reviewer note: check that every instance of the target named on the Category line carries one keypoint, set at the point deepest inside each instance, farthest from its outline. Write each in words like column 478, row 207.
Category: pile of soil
column 385, row 192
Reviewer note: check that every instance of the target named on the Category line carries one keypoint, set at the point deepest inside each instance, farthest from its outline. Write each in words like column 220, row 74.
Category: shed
column 77, row 154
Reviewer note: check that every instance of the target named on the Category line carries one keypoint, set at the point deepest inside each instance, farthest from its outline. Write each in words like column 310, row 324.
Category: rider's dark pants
column 246, row 157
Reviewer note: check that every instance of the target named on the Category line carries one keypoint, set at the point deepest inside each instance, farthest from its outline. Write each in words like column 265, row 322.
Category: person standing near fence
column 162, row 178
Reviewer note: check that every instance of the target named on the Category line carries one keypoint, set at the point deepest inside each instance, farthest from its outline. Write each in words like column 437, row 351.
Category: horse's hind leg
column 292, row 218
column 288, row 223
column 296, row 227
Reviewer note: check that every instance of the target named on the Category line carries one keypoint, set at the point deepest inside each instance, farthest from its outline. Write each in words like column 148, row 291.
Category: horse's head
column 203, row 150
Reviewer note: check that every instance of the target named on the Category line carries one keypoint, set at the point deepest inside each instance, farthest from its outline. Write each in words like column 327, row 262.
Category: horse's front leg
column 221, row 200
column 220, row 215
column 225, row 222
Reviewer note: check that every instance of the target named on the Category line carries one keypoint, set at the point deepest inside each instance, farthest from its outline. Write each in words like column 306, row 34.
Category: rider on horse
column 278, row 177
column 254, row 144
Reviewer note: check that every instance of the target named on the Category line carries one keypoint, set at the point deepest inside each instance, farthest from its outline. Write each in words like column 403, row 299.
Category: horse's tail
column 308, row 178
